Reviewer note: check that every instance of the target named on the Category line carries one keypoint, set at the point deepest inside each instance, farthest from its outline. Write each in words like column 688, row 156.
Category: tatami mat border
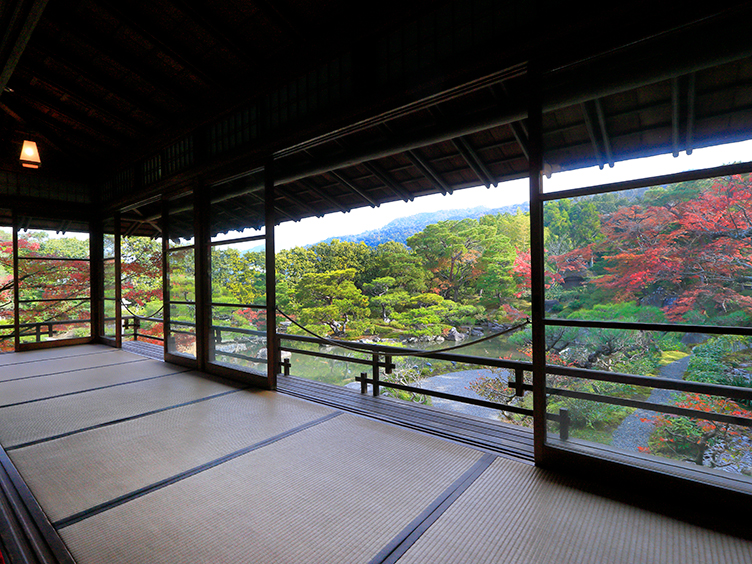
column 123, row 419
column 96, row 510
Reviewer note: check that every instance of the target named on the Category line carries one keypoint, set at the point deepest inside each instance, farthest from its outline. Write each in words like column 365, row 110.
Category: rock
column 283, row 355
column 694, row 338
column 439, row 339
column 476, row 332
column 455, row 335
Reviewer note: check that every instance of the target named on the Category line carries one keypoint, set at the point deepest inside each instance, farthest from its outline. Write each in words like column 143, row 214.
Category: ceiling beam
column 591, row 133
column 342, row 180
column 604, row 132
column 311, row 188
column 473, row 160
column 428, row 171
column 384, row 178
column 285, row 193
column 675, row 116
column 119, row 123
column 691, row 96
column 19, row 27
column 113, row 88
column 105, row 47
column 126, row 13
column 83, row 123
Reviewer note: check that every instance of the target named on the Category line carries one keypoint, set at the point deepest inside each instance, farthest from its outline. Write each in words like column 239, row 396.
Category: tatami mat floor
column 139, row 461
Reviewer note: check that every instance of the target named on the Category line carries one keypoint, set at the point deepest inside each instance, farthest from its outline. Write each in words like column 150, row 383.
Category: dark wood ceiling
column 360, row 103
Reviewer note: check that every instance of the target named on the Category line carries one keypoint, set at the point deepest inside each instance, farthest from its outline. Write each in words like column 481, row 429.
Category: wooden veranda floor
column 110, row 457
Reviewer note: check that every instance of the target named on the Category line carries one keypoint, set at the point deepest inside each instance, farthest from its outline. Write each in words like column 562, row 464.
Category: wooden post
column 166, row 276
column 118, row 287
column 96, row 278
column 537, row 268
column 376, row 387
column 563, row 424
column 272, row 348
column 16, row 305
column 363, row 383
column 201, row 248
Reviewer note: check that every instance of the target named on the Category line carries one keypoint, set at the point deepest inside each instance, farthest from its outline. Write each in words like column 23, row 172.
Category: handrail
column 653, row 382
column 520, row 387
column 394, row 351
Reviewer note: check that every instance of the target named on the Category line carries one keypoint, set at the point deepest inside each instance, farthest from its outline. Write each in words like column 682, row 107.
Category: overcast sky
column 313, row 230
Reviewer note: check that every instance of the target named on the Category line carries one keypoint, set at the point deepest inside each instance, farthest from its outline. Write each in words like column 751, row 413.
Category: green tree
column 331, row 301
column 383, row 296
column 452, row 250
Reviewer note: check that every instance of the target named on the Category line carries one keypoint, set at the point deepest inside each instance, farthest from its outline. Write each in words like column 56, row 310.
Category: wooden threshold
column 485, row 434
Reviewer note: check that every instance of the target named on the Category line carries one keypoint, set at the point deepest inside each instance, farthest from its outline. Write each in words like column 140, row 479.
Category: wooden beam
column 675, row 116
column 21, row 25
column 428, row 171
column 127, row 14
column 344, row 181
column 383, row 177
column 473, row 160
column 311, row 188
column 604, row 132
column 591, row 133
column 691, row 96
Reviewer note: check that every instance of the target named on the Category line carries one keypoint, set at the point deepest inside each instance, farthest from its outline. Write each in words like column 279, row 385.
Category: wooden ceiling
column 360, row 103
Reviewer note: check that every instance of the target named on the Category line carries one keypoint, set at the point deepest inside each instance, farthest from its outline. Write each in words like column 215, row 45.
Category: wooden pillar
column 272, row 349
column 16, row 308
column 96, row 277
column 118, row 285
column 202, row 240
column 165, row 274
column 537, row 260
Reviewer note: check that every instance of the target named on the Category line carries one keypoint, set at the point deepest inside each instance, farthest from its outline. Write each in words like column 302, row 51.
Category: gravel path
column 457, row 383
column 633, row 433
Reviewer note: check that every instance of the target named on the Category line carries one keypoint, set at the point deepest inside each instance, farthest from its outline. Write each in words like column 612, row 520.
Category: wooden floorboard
column 488, row 435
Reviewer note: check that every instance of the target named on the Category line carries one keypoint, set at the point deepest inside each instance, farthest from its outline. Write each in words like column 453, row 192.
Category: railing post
column 564, row 424
column 286, row 367
column 38, row 331
column 136, row 327
column 376, row 374
column 389, row 366
column 363, row 383
column 518, row 382
column 212, row 356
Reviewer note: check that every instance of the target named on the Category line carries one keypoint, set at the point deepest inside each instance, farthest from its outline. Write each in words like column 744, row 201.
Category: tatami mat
column 30, row 389
column 518, row 514
column 24, row 423
column 62, row 365
column 8, row 359
column 81, row 471
column 337, row 492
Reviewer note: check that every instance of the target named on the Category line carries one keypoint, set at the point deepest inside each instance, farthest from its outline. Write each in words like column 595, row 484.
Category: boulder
column 455, row 335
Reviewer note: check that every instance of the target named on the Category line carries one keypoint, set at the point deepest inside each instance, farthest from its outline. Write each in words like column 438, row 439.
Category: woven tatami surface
column 183, row 468
column 30, row 369
column 516, row 513
column 10, row 359
column 53, row 385
column 40, row 420
column 312, row 497
column 108, row 462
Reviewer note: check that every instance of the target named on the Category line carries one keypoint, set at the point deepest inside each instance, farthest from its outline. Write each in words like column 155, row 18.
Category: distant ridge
column 402, row 228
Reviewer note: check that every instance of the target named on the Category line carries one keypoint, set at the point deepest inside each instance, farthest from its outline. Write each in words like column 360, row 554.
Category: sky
column 312, row 230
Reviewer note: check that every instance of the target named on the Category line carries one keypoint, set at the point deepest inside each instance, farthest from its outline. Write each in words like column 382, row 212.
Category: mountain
column 402, row 228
